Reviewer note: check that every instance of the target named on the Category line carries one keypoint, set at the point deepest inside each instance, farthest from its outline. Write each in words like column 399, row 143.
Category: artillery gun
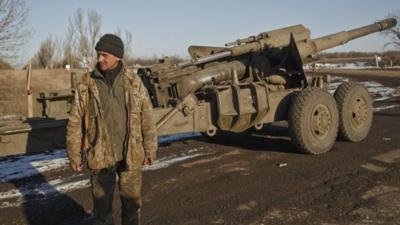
column 248, row 83
column 260, row 80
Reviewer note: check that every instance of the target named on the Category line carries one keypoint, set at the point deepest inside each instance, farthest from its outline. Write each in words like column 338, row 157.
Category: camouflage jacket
column 86, row 121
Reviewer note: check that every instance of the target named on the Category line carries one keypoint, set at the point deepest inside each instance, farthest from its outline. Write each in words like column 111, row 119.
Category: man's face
column 106, row 61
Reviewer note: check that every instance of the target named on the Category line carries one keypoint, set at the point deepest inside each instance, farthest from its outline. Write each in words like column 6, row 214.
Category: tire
column 313, row 121
column 355, row 111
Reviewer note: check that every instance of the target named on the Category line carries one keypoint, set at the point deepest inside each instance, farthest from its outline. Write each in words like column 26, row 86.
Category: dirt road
column 253, row 178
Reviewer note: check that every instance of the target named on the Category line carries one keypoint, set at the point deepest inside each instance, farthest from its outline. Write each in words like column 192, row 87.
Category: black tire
column 313, row 121
column 355, row 111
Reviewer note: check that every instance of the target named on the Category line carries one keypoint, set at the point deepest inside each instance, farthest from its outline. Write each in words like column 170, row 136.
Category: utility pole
column 29, row 90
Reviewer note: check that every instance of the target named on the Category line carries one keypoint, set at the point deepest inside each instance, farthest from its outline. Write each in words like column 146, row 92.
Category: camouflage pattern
column 141, row 131
column 103, row 186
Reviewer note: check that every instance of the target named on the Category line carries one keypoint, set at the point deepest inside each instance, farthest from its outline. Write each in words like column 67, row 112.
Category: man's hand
column 149, row 158
column 77, row 168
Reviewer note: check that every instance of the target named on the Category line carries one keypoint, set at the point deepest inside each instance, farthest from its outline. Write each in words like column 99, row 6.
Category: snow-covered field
column 34, row 166
column 356, row 65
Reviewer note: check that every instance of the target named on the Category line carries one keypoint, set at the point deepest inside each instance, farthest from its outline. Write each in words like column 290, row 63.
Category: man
column 111, row 126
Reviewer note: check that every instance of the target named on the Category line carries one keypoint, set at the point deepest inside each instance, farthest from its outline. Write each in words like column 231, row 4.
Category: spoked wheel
column 355, row 111
column 313, row 121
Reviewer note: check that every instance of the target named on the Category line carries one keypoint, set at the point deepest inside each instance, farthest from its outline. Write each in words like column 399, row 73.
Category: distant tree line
column 393, row 56
column 144, row 61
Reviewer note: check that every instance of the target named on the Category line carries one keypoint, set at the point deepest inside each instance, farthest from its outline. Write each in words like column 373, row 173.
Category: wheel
column 313, row 121
column 355, row 111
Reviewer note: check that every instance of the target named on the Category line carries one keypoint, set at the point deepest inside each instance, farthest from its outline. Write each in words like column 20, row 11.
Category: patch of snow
column 12, row 168
column 38, row 191
column 356, row 65
column 377, row 90
column 41, row 191
column 377, row 109
column 168, row 162
column 177, row 137
column 52, row 187
column 10, row 204
column 18, row 167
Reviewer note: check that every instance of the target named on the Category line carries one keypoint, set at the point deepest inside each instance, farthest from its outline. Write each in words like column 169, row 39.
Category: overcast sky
column 168, row 27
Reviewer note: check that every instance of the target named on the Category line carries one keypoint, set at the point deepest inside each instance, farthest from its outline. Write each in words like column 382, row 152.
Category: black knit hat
column 112, row 44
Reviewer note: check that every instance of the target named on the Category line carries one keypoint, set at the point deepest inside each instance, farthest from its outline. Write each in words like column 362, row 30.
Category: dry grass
column 13, row 94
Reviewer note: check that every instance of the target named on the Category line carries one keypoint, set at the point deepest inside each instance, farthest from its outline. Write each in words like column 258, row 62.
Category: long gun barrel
column 281, row 38
column 330, row 41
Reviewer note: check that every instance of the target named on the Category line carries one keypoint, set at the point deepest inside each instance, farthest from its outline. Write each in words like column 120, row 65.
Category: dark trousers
column 103, row 185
